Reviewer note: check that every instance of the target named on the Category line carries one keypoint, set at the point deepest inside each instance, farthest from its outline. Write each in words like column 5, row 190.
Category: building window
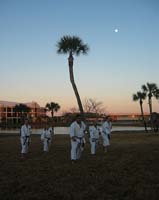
column 9, row 115
column 14, row 114
column 8, row 109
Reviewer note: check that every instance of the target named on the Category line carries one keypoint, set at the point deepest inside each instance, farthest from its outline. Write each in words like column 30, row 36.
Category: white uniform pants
column 46, row 145
column 24, row 145
column 76, row 149
column 94, row 144
column 105, row 140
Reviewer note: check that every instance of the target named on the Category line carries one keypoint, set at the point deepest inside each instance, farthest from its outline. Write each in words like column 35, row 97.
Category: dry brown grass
column 129, row 171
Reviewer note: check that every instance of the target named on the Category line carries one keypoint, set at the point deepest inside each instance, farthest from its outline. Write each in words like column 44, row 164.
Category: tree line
column 23, row 109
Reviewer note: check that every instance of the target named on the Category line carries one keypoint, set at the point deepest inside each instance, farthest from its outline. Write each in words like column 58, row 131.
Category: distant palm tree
column 140, row 96
column 150, row 90
column 72, row 45
column 53, row 107
column 22, row 109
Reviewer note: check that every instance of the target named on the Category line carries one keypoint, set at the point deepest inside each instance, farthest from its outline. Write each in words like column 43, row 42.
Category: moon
column 116, row 30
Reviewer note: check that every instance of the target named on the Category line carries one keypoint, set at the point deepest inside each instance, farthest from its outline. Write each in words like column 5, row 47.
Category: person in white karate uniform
column 25, row 132
column 94, row 137
column 77, row 129
column 106, row 131
column 46, row 137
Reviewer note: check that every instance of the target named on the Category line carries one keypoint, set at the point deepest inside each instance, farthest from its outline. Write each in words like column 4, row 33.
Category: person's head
column 107, row 118
column 52, row 124
column 95, row 123
column 47, row 125
column 78, row 118
column 26, row 121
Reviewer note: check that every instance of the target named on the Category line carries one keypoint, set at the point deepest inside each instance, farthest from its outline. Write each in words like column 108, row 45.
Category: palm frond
column 52, row 106
column 135, row 97
column 144, row 88
column 72, row 44
column 151, row 87
column 139, row 96
column 156, row 93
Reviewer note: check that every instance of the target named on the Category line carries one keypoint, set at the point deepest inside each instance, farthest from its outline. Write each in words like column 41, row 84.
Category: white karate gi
column 106, row 131
column 94, row 138
column 77, row 144
column 46, row 138
column 25, row 138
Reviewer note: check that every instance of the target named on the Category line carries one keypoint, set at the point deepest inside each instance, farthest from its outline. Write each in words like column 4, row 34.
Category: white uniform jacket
column 46, row 134
column 25, row 133
column 106, row 128
column 77, row 130
column 94, row 133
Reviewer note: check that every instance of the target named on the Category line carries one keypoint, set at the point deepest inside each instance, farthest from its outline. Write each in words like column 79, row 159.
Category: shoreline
column 124, row 132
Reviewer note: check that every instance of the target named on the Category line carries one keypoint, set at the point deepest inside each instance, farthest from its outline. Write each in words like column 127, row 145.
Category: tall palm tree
column 72, row 45
column 150, row 90
column 53, row 107
column 140, row 96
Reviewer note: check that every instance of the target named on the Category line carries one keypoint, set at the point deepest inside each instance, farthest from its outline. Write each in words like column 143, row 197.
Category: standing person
column 94, row 137
column 46, row 137
column 106, row 131
column 25, row 132
column 77, row 129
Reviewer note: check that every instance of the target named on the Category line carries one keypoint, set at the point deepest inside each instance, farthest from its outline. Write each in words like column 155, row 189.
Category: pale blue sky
column 115, row 68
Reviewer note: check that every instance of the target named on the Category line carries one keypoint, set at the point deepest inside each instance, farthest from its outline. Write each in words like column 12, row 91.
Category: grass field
column 129, row 171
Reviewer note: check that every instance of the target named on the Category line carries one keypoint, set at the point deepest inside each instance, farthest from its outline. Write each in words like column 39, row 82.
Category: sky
column 117, row 65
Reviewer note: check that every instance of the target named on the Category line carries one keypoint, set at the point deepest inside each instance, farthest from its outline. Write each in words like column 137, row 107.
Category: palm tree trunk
column 150, row 107
column 70, row 63
column 143, row 119
column 52, row 113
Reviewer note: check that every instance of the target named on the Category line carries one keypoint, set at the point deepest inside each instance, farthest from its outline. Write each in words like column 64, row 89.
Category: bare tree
column 94, row 106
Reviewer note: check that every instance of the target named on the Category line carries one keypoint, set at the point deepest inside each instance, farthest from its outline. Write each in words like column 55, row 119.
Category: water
column 65, row 130
column 57, row 130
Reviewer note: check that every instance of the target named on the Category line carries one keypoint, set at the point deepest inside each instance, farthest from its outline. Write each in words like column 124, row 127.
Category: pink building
column 7, row 110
